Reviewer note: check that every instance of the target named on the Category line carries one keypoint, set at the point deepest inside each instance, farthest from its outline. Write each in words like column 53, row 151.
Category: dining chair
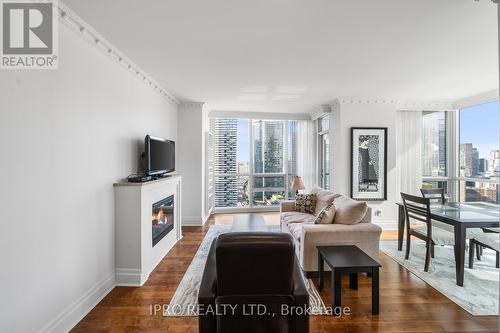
column 438, row 195
column 418, row 209
column 434, row 194
column 489, row 239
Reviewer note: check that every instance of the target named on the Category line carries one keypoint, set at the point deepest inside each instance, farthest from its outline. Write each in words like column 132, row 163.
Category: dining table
column 462, row 216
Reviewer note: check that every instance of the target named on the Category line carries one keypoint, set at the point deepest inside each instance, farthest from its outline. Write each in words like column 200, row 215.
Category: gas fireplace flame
column 159, row 217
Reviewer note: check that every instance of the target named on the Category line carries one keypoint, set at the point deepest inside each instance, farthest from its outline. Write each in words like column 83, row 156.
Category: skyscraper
column 273, row 146
column 225, row 131
column 466, row 159
column 434, row 144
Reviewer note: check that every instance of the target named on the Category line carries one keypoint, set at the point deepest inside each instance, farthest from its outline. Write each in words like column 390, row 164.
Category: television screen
column 160, row 156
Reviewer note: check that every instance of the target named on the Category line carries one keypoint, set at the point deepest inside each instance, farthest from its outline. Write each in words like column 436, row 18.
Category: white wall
column 65, row 137
column 346, row 115
column 193, row 119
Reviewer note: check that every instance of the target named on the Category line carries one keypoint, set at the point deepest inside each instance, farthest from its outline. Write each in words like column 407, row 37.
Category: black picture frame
column 373, row 187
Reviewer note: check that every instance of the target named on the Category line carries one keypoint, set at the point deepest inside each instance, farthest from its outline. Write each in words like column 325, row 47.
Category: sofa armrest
column 208, row 293
column 287, row 206
column 364, row 235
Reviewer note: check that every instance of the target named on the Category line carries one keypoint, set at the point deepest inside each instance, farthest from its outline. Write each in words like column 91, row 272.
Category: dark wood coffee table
column 348, row 259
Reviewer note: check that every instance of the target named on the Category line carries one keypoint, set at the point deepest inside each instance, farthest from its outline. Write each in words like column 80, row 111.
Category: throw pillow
column 349, row 211
column 305, row 203
column 324, row 197
column 326, row 215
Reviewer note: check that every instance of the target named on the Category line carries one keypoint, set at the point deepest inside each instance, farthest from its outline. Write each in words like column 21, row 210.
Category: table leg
column 336, row 285
column 375, row 291
column 460, row 253
column 320, row 272
column 401, row 226
column 353, row 281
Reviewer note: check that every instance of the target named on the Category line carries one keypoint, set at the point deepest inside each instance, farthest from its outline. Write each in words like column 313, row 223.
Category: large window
column 479, row 154
column 255, row 161
column 434, row 149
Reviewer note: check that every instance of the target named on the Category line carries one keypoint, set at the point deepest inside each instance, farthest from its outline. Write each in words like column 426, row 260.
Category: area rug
column 185, row 299
column 478, row 296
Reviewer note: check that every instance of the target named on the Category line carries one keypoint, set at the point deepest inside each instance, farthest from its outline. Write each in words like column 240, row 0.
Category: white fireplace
column 147, row 226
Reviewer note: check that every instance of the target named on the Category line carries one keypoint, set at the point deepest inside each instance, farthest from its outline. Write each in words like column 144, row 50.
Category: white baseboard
column 67, row 319
column 192, row 221
column 130, row 277
column 387, row 224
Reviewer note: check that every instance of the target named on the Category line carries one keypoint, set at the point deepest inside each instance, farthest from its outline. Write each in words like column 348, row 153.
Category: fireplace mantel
column 135, row 255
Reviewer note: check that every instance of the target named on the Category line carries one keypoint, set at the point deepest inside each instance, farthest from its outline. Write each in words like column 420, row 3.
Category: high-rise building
column 292, row 147
column 268, row 146
column 494, row 164
column 225, row 135
column 434, row 144
column 466, row 159
column 273, row 146
column 482, row 166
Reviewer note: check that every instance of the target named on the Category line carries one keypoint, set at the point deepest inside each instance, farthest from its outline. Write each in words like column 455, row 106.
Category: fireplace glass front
column 162, row 218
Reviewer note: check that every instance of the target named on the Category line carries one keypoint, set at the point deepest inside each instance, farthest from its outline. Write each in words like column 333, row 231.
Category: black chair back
column 417, row 208
column 434, row 194
column 256, row 263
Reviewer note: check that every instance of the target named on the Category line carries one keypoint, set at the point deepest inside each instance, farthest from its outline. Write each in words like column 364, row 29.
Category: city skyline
column 479, row 125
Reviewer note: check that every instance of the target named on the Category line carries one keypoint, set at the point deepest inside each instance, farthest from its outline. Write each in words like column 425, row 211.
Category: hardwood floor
column 407, row 304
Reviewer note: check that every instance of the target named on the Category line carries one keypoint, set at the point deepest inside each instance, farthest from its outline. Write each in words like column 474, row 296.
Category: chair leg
column 432, row 250
column 471, row 255
column 481, row 250
column 498, row 259
column 427, row 256
column 407, row 255
column 478, row 252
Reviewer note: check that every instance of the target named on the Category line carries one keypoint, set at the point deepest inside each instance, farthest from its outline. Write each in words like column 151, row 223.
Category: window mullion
column 250, row 159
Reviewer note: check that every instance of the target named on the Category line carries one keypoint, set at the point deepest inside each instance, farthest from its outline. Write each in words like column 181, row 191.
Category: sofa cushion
column 349, row 211
column 296, row 228
column 289, row 218
column 326, row 215
column 305, row 203
column 324, row 198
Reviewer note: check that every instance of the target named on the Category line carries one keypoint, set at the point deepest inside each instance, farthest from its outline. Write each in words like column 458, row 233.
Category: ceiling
column 294, row 55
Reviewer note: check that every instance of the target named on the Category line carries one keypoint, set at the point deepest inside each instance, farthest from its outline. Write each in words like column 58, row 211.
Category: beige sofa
column 308, row 235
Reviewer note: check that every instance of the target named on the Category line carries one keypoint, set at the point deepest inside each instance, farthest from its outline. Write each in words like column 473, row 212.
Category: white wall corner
column 193, row 105
column 130, row 277
column 192, row 221
column 321, row 110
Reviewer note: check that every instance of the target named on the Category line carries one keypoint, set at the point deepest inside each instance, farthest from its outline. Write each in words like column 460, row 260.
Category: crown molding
column 199, row 105
column 89, row 34
column 258, row 115
column 410, row 105
column 489, row 96
column 425, row 106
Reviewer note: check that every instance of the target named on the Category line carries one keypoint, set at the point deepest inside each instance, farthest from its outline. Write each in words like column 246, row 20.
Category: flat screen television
column 159, row 155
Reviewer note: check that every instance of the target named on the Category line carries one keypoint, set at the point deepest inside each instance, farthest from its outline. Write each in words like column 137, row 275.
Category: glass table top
column 468, row 212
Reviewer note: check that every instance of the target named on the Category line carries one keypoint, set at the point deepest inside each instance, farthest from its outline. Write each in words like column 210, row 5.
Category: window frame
column 449, row 126
column 458, row 179
column 322, row 133
column 251, row 175
column 453, row 177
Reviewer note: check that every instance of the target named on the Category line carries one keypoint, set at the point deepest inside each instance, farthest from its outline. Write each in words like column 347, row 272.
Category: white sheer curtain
column 409, row 151
column 306, row 153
